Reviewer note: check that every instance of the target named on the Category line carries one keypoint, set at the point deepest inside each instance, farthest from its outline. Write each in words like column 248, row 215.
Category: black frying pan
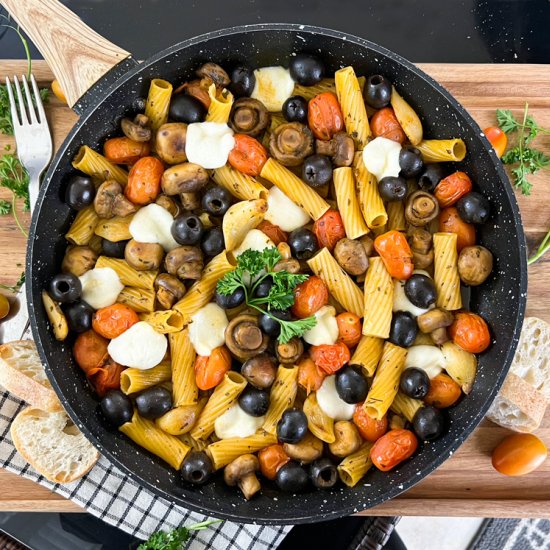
column 501, row 300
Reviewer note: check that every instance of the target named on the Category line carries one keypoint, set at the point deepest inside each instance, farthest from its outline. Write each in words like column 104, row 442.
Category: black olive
column 154, row 402
column 117, row 408
column 112, row 249
column 323, row 473
column 187, row 229
column 306, row 69
column 232, row 300
column 262, row 290
column 65, row 288
column 410, row 162
column 292, row 427
column 351, row 385
column 392, row 188
column 270, row 326
column 420, row 290
column 217, row 200
column 431, row 176
column 414, row 383
column 197, row 468
column 403, row 329
column 242, row 81
column 79, row 316
column 253, row 401
column 317, row 170
column 80, row 192
column 429, row 423
column 377, row 91
column 213, row 242
column 303, row 243
column 291, row 478
column 186, row 108
column 295, row 109
column 474, row 208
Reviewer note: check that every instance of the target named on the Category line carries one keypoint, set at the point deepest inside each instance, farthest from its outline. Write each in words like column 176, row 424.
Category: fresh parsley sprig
column 174, row 540
column 14, row 177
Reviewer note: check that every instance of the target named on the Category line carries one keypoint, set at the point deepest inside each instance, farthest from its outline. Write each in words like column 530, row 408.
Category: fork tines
column 29, row 112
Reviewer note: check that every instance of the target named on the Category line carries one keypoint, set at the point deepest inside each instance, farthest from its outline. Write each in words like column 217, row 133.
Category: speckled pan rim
column 392, row 491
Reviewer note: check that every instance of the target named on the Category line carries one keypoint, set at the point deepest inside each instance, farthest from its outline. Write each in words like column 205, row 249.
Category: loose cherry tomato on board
column 392, row 448
column 309, row 375
column 144, row 180
column 248, row 155
column 271, row 459
column 470, row 332
column 384, row 123
column 123, row 150
column 349, row 328
column 58, row 92
column 395, row 253
column 369, row 428
column 309, row 297
column 4, row 306
column 325, row 116
column 274, row 232
column 451, row 222
column 451, row 188
column 443, row 392
column 330, row 357
column 90, row 350
column 519, row 454
column 329, row 229
column 210, row 369
column 497, row 138
column 112, row 321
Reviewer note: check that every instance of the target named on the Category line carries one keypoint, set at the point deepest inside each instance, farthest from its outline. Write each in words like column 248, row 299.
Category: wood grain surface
column 466, row 485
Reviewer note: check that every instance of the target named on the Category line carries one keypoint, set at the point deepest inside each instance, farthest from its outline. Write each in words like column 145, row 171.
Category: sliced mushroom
column 190, row 201
column 185, row 261
column 138, row 129
column 170, row 142
column 168, row 203
column 242, row 472
column 307, row 450
column 184, row 178
column 78, row 260
column 434, row 319
column 291, row 143
column 143, row 256
column 351, row 256
column 110, row 201
column 475, row 264
column 421, row 208
column 420, row 240
column 260, row 370
column 290, row 352
column 347, row 440
column 215, row 73
column 292, row 266
column 341, row 148
column 244, row 337
column 249, row 116
column 169, row 290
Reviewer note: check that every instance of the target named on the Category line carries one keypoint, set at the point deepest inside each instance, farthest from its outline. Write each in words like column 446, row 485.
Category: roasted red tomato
column 451, row 188
column 248, row 155
column 144, row 180
column 330, row 357
column 349, row 328
column 113, row 320
column 392, row 448
column 395, row 253
column 444, row 391
column 451, row 222
column 325, row 116
column 470, row 332
column 90, row 350
column 309, row 375
column 210, row 370
column 329, row 229
column 106, row 377
column 384, row 123
column 123, row 150
column 271, row 459
column 274, row 232
column 369, row 428
column 309, row 297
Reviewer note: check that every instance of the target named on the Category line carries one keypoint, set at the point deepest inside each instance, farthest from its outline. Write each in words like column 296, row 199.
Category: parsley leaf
column 5, row 207
column 506, row 121
column 14, row 177
column 174, row 540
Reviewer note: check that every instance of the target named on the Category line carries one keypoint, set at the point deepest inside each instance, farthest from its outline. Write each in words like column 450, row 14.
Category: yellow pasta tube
column 182, row 353
column 294, row 188
column 83, row 227
column 309, row 92
column 165, row 322
column 368, row 353
column 442, row 150
column 199, row 445
column 227, row 450
column 220, row 105
column 283, row 393
column 98, row 167
column 240, row 218
column 406, row 406
column 116, row 229
column 406, row 117
column 446, row 277
column 139, row 299
column 242, row 186
column 378, row 299
column 339, row 283
column 128, row 275
column 355, row 466
column 135, row 380
column 396, row 216
column 158, row 102
column 370, row 202
column 96, row 244
column 348, row 204
column 320, row 424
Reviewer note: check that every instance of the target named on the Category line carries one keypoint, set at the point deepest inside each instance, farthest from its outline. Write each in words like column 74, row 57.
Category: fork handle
column 77, row 55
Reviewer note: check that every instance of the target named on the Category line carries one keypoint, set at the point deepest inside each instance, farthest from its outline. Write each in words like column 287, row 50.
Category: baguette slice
column 52, row 445
column 22, row 373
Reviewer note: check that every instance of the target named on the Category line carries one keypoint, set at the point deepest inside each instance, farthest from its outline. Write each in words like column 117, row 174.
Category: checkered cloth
column 112, row 496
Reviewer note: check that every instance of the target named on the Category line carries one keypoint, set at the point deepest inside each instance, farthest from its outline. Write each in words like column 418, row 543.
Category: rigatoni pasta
column 242, row 186
column 378, row 300
column 227, row 450
column 116, row 229
column 367, row 353
column 184, row 385
column 370, row 203
column 442, row 150
column 158, row 102
column 220, row 105
column 344, row 186
column 136, row 380
column 98, row 167
column 139, row 299
column 355, row 466
column 128, row 275
column 283, row 393
column 165, row 321
column 446, row 277
column 83, row 227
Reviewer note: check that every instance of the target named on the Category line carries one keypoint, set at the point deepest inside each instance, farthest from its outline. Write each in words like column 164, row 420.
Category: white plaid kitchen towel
column 112, row 496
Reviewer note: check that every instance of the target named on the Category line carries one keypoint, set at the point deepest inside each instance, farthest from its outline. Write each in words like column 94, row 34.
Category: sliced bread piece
column 22, row 373
column 52, row 445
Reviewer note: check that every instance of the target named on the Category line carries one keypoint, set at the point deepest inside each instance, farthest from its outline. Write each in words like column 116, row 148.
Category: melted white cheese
column 207, row 329
column 208, row 144
column 100, row 287
column 273, row 87
column 254, row 240
column 283, row 212
column 326, row 329
column 153, row 224
column 331, row 403
column 140, row 347
column 427, row 358
column 381, row 157
column 236, row 423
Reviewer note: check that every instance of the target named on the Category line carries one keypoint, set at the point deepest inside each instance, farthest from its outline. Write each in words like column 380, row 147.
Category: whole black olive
column 403, row 329
column 186, row 108
column 79, row 316
column 303, row 243
column 410, row 162
column 213, row 242
column 392, row 188
column 420, row 290
column 117, row 408
column 351, row 385
column 429, row 423
column 270, row 326
column 431, row 176
column 217, row 200
column 80, row 192
column 187, row 229
column 197, row 468
column 253, row 401
column 291, row 478
column 323, row 473
column 377, row 91
column 414, row 383
column 306, row 69
column 295, row 109
column 154, row 402
column 65, row 288
column 113, row 249
column 474, row 208
column 232, row 300
column 317, row 170
column 242, row 81
column 263, row 288
column 292, row 427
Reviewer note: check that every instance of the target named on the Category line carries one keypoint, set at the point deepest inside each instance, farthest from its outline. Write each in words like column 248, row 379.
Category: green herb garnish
column 14, row 177
column 15, row 288
column 174, row 540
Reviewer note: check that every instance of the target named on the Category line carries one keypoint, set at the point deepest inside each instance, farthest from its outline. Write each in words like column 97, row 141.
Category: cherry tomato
column 90, row 350
column 4, row 306
column 112, row 321
column 329, row 229
column 451, row 188
column 519, row 454
column 369, row 428
column 330, row 357
column 392, row 448
column 325, row 116
column 123, row 150
column 309, row 297
column 309, row 376
column 271, row 459
column 349, row 328
column 443, row 392
column 395, row 253
column 497, row 138
column 470, row 332
column 248, row 155
column 106, row 377
column 451, row 222
column 384, row 123
column 144, row 180
column 210, row 370
column 274, row 232
column 58, row 92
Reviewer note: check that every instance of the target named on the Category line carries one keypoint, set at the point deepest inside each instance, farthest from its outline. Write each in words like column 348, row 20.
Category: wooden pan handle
column 77, row 55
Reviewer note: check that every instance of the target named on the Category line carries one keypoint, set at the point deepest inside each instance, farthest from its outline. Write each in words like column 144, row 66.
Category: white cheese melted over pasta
column 207, row 329
column 100, row 287
column 208, row 144
column 381, row 157
column 273, row 87
column 331, row 403
column 283, row 212
column 326, row 329
column 427, row 358
column 153, row 224
column 236, row 423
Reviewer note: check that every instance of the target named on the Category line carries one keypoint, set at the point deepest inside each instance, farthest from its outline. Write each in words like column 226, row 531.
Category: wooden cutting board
column 466, row 485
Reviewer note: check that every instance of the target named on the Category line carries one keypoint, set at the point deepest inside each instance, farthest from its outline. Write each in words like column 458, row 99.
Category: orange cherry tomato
column 384, row 123
column 497, row 138
column 271, row 459
column 4, row 306
column 329, row 229
column 112, row 321
column 58, row 92
column 395, row 253
column 369, row 428
column 330, row 357
column 309, row 297
column 106, row 377
column 274, row 232
column 451, row 188
column 443, row 393
column 519, row 454
column 90, row 350
column 451, row 222
column 144, row 180
column 123, row 150
column 470, row 332
column 210, row 370
column 392, row 448
column 349, row 328
column 325, row 116
column 248, row 155
column 309, row 375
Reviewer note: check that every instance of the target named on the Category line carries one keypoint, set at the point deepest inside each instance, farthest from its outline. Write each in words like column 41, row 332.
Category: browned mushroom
column 215, row 73
column 244, row 337
column 169, row 290
column 341, row 148
column 347, row 439
column 291, row 143
column 434, row 319
column 439, row 336
column 351, row 256
column 78, row 260
column 368, row 244
column 249, row 116
column 260, row 370
column 290, row 352
column 306, row 450
column 110, row 201
column 185, row 261
column 184, row 178
column 170, row 142
column 242, row 472
column 421, row 208
column 291, row 265
column 475, row 264
column 138, row 129
column 168, row 203
column 190, row 201
column 420, row 240
column 143, row 256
